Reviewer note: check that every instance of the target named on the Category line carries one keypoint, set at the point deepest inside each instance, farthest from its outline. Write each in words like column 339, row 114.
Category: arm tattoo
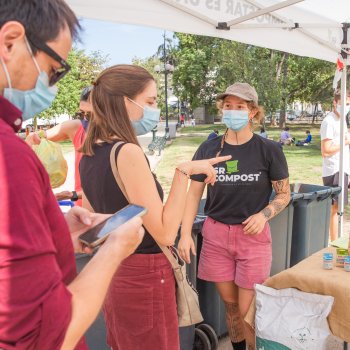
column 267, row 213
column 279, row 186
column 278, row 206
column 280, row 201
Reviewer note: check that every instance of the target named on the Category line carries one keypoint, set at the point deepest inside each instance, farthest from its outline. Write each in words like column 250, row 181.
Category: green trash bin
column 281, row 233
column 311, row 220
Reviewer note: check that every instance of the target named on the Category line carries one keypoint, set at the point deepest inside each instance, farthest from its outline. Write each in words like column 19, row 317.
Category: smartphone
column 99, row 233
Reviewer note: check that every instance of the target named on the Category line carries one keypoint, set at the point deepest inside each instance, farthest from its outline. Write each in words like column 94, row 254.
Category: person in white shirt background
column 330, row 149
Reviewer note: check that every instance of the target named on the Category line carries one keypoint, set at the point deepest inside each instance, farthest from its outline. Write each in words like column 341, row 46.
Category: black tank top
column 104, row 194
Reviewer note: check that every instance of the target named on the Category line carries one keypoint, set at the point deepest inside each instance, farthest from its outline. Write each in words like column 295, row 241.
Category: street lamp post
column 167, row 69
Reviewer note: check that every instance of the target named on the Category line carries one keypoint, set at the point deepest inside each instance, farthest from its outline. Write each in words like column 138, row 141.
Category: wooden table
column 309, row 276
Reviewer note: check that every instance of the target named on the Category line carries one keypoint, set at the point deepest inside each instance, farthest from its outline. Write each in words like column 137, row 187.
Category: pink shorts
column 228, row 254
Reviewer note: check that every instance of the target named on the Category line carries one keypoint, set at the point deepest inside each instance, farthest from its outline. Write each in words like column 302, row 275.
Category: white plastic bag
column 291, row 319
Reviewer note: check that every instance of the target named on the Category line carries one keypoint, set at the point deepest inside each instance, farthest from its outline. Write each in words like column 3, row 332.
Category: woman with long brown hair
column 140, row 308
column 236, row 251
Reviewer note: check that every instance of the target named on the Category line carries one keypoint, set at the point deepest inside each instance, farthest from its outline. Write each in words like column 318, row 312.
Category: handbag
column 188, row 310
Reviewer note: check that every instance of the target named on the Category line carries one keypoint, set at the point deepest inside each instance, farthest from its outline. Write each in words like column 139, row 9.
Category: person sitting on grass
column 286, row 138
column 307, row 141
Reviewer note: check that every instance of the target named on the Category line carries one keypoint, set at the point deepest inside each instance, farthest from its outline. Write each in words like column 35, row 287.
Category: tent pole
column 263, row 11
column 343, row 128
column 342, row 153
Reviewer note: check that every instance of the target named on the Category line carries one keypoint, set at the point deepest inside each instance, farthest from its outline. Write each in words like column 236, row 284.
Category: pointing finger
column 216, row 160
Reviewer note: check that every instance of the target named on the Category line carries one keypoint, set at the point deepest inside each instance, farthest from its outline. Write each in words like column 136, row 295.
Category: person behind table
column 263, row 133
column 42, row 303
column 124, row 102
column 330, row 149
column 286, row 138
column 214, row 134
column 236, row 251
column 73, row 130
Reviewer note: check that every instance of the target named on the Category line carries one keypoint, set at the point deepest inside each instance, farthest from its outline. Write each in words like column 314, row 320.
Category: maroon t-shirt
column 36, row 252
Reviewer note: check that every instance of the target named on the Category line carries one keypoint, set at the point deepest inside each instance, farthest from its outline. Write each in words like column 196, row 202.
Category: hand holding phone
column 99, row 233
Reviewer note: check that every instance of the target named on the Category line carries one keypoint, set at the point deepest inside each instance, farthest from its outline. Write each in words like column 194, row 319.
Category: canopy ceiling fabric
column 203, row 16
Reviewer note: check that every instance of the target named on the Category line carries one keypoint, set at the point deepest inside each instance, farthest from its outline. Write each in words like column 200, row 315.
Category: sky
column 121, row 42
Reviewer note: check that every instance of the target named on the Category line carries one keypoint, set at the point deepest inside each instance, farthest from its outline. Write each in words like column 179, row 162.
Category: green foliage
column 84, row 70
column 310, row 80
column 206, row 66
column 149, row 64
column 195, row 75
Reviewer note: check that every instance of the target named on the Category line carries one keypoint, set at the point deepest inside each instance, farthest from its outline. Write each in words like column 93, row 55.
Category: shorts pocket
column 134, row 309
column 208, row 225
column 263, row 237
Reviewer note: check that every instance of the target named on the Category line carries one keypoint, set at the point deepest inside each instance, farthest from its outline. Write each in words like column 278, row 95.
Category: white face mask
column 148, row 121
column 346, row 110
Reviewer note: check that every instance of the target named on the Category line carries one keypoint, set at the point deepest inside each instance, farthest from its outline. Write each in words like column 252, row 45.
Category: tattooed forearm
column 278, row 206
column 267, row 212
column 280, row 201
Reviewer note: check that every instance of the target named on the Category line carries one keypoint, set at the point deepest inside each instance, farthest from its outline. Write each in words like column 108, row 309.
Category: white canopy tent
column 311, row 28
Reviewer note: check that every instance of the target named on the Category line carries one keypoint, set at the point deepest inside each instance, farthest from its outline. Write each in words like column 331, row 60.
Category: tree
column 195, row 75
column 84, row 70
column 149, row 64
column 206, row 66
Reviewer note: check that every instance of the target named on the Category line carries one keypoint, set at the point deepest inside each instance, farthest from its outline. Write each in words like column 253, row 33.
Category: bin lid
column 311, row 192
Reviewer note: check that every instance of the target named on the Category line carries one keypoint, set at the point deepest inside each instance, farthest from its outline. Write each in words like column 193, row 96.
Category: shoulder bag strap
column 174, row 262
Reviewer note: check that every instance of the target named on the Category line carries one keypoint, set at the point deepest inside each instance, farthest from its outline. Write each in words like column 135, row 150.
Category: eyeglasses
column 59, row 73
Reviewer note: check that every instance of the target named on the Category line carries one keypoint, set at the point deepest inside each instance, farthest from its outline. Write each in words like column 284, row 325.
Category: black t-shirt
column 243, row 184
column 104, row 194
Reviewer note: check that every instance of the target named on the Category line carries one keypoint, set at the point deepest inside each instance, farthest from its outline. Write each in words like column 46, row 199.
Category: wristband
column 74, row 197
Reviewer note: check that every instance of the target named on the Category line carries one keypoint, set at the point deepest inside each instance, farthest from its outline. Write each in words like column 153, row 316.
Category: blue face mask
column 235, row 119
column 148, row 121
column 31, row 102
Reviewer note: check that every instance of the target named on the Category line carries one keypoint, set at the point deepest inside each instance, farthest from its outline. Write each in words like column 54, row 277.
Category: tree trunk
column 314, row 115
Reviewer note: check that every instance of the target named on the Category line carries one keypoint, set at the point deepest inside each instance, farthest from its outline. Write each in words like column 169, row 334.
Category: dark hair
column 307, row 131
column 109, row 120
column 42, row 19
column 286, row 128
column 262, row 129
column 216, row 131
column 85, row 94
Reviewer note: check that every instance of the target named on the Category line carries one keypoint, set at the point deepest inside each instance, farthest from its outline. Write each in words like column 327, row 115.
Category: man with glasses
column 42, row 303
